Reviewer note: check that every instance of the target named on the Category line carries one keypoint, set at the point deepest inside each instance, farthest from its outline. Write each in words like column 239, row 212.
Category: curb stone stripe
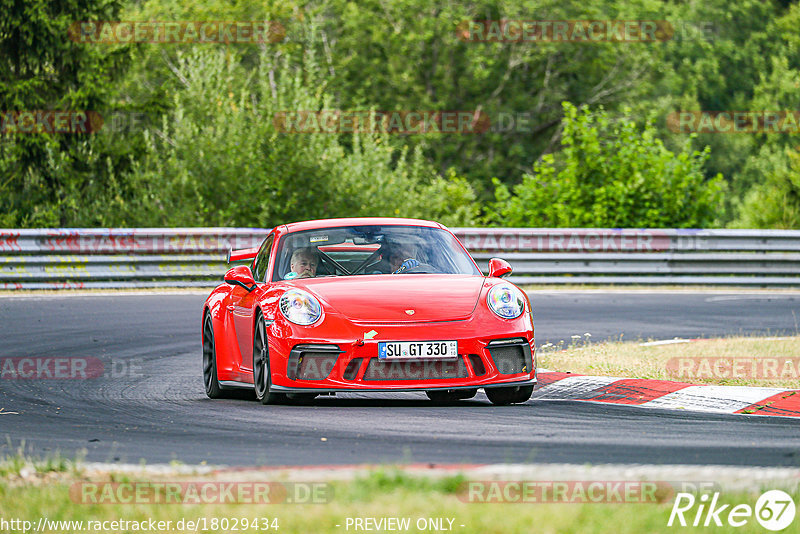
column 718, row 399
column 574, row 387
column 665, row 394
column 786, row 403
column 632, row 391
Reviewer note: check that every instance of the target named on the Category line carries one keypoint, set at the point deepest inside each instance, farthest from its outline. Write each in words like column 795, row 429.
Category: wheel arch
column 258, row 311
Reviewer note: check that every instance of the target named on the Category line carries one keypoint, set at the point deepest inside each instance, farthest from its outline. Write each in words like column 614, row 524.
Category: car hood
column 400, row 298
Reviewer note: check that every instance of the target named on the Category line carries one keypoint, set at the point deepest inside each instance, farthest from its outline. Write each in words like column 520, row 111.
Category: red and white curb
column 668, row 395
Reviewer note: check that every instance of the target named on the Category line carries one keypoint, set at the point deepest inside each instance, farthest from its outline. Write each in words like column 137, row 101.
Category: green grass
column 693, row 362
column 384, row 493
column 18, row 463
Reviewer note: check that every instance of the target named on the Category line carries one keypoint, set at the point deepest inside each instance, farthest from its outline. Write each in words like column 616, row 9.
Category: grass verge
column 429, row 505
column 733, row 361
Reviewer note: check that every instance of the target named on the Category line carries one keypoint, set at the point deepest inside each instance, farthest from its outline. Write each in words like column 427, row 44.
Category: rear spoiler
column 242, row 254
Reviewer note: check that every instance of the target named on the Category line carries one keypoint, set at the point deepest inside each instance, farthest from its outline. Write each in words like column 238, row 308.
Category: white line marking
column 666, row 342
column 717, row 399
column 749, row 297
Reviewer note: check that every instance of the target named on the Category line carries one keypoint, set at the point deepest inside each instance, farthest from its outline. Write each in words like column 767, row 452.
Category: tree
column 42, row 69
column 611, row 173
column 417, row 57
column 220, row 156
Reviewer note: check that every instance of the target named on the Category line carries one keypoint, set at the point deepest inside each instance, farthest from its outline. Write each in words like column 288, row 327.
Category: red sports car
column 368, row 304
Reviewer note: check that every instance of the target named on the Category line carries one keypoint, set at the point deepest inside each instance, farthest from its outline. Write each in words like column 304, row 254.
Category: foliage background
column 595, row 150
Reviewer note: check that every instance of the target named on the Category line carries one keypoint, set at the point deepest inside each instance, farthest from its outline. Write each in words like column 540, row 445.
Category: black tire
column 262, row 378
column 451, row 395
column 213, row 389
column 509, row 395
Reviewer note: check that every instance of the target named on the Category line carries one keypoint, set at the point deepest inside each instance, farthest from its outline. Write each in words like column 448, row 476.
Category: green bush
column 611, row 173
column 775, row 202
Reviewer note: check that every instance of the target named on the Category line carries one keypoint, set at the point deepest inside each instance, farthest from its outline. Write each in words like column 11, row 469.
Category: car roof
column 360, row 221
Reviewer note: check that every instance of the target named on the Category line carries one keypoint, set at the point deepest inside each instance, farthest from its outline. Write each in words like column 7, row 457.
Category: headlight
column 506, row 301
column 300, row 307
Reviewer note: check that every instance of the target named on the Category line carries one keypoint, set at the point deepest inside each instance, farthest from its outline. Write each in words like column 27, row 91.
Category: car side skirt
column 234, row 384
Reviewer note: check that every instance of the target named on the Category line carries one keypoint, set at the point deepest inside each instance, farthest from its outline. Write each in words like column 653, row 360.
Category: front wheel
column 213, row 389
column 262, row 379
column 509, row 395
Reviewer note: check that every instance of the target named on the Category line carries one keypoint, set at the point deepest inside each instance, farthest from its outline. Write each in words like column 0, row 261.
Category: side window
column 262, row 260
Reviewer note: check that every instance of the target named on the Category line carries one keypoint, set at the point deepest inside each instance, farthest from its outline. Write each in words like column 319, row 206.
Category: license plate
column 416, row 350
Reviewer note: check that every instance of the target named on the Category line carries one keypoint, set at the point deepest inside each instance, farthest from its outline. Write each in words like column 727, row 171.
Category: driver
column 402, row 255
column 397, row 257
column 304, row 262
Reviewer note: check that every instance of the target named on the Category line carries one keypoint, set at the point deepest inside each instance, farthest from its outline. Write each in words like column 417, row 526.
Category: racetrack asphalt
column 151, row 404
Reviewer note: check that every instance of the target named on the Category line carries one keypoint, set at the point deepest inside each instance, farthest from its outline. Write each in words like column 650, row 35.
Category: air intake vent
column 512, row 359
column 351, row 371
column 312, row 362
column 379, row 370
column 477, row 365
column 316, row 366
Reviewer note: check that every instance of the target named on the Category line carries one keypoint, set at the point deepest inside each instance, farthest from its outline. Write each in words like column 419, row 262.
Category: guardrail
column 118, row 258
column 641, row 256
column 195, row 257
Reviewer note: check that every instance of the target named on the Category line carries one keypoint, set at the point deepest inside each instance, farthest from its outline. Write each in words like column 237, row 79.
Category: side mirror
column 499, row 268
column 240, row 276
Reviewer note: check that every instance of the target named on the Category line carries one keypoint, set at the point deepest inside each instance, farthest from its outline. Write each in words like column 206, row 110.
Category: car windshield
column 360, row 250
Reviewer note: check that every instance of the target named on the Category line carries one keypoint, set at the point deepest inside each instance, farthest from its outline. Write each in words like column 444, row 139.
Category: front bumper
column 283, row 389
column 505, row 358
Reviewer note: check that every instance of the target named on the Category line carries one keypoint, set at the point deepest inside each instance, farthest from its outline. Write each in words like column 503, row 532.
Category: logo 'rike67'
column 774, row 510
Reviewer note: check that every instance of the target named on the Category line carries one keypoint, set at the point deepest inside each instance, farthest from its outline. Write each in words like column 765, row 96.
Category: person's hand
column 407, row 264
